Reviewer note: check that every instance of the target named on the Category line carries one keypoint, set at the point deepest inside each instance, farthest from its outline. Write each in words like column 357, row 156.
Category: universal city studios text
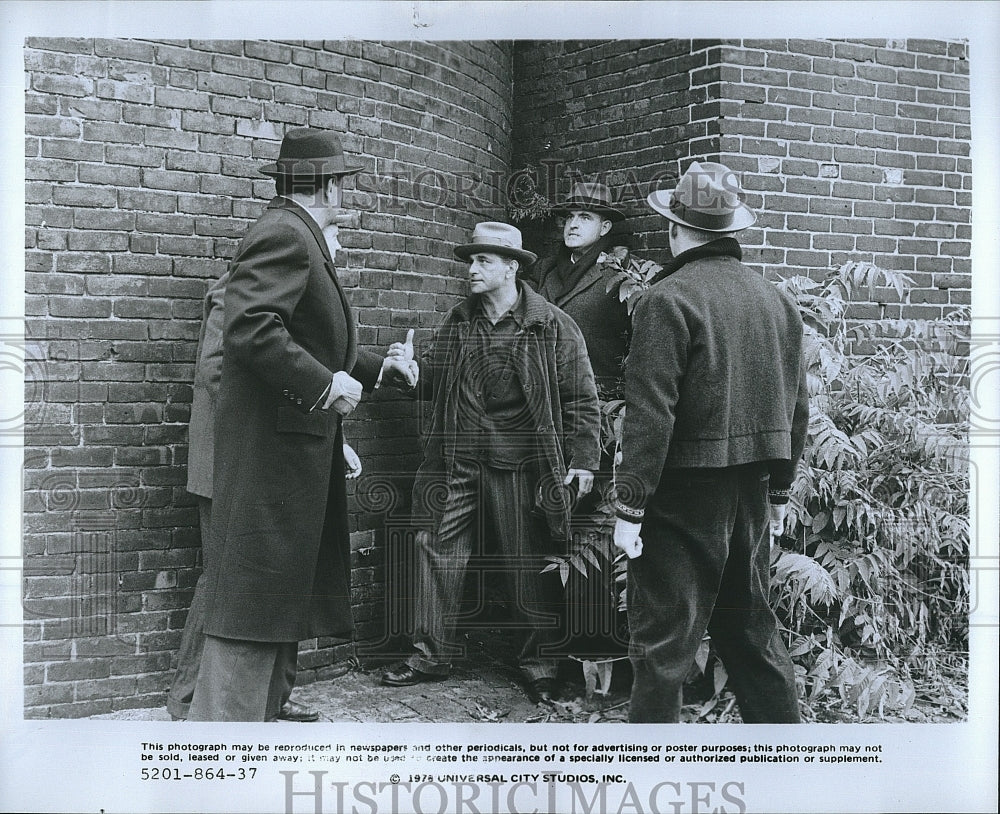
column 318, row 792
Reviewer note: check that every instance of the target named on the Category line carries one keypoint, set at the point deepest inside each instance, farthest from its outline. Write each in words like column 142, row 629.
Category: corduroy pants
column 705, row 566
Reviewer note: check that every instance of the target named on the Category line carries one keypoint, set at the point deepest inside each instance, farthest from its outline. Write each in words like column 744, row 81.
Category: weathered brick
column 84, row 196
column 134, row 156
column 168, row 180
column 125, row 92
column 181, row 99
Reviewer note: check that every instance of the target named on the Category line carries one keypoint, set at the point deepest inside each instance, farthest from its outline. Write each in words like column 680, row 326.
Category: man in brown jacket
column 716, row 412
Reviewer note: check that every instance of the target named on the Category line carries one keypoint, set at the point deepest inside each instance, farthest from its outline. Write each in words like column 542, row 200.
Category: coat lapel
column 590, row 276
column 351, row 355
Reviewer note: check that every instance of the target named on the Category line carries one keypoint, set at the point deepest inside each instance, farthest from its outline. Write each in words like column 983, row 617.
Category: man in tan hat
column 513, row 429
column 715, row 421
column 291, row 369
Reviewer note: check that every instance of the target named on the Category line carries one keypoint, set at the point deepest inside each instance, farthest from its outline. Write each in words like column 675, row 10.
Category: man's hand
column 584, row 477
column 627, row 537
column 399, row 363
column 352, row 463
column 777, row 520
column 344, row 394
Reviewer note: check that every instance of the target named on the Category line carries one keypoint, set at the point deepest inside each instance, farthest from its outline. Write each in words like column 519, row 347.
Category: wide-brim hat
column 708, row 196
column 496, row 238
column 309, row 153
column 590, row 197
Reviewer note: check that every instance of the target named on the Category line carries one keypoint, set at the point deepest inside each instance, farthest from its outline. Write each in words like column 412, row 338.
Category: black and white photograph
column 598, row 399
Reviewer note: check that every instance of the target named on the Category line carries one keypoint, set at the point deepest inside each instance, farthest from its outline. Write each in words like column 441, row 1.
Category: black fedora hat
column 309, row 153
column 590, row 197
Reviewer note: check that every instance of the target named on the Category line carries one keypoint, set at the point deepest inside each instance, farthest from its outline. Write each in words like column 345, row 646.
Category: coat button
column 298, row 401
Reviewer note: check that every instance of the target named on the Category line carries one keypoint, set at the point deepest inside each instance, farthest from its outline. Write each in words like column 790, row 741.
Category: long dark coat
column 602, row 317
column 279, row 516
column 207, row 373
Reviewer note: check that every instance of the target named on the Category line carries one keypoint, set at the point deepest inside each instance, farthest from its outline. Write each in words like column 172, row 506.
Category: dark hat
column 496, row 238
column 590, row 197
column 310, row 153
column 707, row 197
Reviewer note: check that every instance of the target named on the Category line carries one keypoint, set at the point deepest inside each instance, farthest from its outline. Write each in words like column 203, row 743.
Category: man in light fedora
column 513, row 429
column 291, row 370
column 715, row 421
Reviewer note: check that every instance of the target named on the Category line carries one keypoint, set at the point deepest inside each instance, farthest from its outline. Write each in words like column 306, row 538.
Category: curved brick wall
column 141, row 170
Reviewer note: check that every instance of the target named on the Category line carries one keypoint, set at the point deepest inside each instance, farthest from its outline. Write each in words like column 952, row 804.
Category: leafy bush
column 871, row 579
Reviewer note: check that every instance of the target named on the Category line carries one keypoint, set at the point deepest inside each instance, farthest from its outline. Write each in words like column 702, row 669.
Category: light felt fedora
column 590, row 197
column 707, row 197
column 309, row 153
column 496, row 238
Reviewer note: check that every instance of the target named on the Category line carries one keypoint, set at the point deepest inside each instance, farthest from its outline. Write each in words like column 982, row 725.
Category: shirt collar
column 518, row 311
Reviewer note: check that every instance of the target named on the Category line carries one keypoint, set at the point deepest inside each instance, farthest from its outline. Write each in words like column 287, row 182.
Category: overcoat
column 549, row 360
column 205, row 392
column 279, row 517
column 601, row 316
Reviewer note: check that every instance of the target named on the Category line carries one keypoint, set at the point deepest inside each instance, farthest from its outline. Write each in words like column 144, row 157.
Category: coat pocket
column 317, row 423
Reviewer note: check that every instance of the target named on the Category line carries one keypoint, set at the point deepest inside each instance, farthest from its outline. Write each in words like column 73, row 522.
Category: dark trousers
column 476, row 496
column 189, row 657
column 705, row 566
column 242, row 681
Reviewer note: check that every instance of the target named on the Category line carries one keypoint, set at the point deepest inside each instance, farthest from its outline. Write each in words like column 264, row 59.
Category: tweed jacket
column 279, row 516
column 715, row 376
column 549, row 359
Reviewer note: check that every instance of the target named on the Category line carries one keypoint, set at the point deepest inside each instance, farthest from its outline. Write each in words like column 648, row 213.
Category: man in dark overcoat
column 580, row 279
column 576, row 280
column 513, row 429
column 201, row 460
column 716, row 413
column 291, row 370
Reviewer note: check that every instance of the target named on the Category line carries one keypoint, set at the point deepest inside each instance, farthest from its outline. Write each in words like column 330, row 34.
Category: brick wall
column 141, row 176
column 848, row 150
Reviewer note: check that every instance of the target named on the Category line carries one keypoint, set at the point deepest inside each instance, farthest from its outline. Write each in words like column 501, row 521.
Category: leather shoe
column 542, row 689
column 299, row 713
column 403, row 675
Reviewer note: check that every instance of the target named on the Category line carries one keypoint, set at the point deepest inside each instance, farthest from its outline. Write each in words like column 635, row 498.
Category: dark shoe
column 299, row 713
column 403, row 675
column 542, row 690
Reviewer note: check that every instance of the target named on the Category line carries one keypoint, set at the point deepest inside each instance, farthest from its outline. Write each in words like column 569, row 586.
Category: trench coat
column 279, row 517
